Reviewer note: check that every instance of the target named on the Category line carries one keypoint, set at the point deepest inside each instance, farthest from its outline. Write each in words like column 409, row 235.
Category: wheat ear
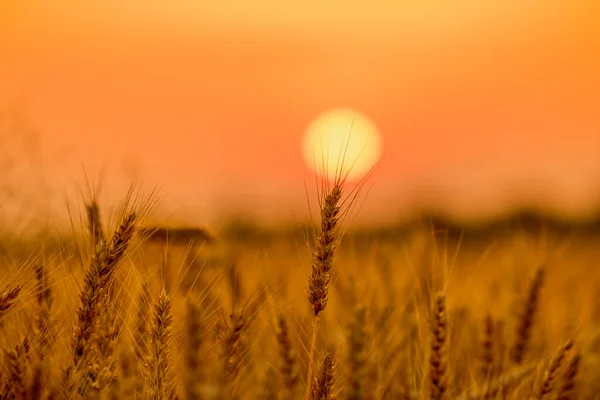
column 527, row 318
column 322, row 265
column 437, row 358
column 160, row 384
column 325, row 382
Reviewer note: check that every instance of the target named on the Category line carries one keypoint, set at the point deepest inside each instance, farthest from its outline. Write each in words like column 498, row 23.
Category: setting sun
column 342, row 139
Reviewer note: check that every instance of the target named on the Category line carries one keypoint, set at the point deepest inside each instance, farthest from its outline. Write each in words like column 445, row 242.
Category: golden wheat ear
column 41, row 322
column 548, row 382
column 8, row 299
column 142, row 336
column 18, row 365
column 324, row 386
column 160, row 383
column 233, row 349
column 487, row 349
column 527, row 319
column 94, row 223
column 322, row 265
column 98, row 283
column 290, row 371
column 438, row 379
column 357, row 386
column 566, row 391
column 324, row 252
column 194, row 363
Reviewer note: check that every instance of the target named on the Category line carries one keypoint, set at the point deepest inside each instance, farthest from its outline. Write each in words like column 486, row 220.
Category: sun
column 343, row 139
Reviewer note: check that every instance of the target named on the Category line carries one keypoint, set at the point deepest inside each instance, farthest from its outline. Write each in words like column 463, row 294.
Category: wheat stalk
column 325, row 381
column 289, row 362
column 94, row 223
column 98, row 279
column 487, row 347
column 160, row 384
column 322, row 265
column 233, row 344
column 357, row 357
column 437, row 359
column 527, row 318
column 195, row 375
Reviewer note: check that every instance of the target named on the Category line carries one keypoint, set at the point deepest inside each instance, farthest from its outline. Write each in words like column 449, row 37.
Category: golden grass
column 408, row 317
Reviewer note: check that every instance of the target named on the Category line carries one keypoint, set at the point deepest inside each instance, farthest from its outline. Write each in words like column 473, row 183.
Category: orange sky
column 479, row 104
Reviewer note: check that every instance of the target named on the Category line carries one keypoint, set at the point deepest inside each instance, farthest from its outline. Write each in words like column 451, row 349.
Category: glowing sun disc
column 342, row 139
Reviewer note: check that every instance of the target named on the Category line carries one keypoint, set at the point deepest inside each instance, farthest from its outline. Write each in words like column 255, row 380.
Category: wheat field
column 321, row 312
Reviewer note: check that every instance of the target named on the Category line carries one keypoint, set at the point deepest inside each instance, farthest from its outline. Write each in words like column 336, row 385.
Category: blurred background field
column 485, row 273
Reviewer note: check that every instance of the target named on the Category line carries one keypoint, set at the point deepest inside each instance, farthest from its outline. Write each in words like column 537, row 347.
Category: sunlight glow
column 342, row 138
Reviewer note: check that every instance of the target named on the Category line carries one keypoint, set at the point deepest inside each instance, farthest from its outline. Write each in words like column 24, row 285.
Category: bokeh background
column 483, row 107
